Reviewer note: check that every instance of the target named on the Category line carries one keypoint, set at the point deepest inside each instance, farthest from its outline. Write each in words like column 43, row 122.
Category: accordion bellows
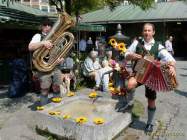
column 155, row 75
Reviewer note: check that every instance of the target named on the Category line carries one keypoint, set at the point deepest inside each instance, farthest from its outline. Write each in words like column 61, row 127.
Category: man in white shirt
column 46, row 78
column 168, row 45
column 136, row 52
column 91, row 65
column 82, row 45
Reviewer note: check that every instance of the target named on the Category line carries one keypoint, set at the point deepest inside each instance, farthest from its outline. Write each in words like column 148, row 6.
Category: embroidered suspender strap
column 42, row 37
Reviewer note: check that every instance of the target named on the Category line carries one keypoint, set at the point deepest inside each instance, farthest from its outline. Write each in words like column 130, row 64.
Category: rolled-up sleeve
column 132, row 48
column 164, row 55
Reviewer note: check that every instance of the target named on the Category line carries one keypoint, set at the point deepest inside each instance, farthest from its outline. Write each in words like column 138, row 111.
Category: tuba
column 44, row 59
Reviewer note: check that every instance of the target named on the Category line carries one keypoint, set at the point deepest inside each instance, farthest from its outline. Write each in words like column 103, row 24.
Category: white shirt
column 90, row 42
column 82, row 45
column 36, row 38
column 90, row 65
column 163, row 54
column 97, row 44
column 168, row 45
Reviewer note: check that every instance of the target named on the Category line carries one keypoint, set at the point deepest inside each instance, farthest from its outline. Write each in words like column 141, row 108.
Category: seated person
column 109, row 57
column 67, row 75
column 91, row 65
column 103, row 76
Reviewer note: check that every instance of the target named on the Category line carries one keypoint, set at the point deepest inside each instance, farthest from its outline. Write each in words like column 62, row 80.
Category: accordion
column 154, row 75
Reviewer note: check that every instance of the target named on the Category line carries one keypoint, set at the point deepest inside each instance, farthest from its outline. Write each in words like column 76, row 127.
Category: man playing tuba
column 46, row 78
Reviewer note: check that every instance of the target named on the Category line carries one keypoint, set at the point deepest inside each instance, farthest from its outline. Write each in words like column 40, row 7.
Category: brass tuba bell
column 44, row 59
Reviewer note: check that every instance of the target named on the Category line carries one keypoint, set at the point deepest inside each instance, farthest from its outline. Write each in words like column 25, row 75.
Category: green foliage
column 78, row 7
column 144, row 4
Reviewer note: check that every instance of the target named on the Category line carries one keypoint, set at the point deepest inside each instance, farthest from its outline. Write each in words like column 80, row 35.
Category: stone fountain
column 82, row 105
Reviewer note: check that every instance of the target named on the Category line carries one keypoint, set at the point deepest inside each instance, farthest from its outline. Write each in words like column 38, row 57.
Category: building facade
column 43, row 5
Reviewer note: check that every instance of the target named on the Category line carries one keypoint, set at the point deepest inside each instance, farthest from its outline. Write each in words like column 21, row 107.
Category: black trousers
column 149, row 93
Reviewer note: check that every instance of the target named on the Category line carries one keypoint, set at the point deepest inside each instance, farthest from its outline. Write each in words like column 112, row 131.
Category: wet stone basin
column 82, row 106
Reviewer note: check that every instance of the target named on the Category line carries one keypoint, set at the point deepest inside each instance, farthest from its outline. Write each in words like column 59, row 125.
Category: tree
column 78, row 7
column 74, row 5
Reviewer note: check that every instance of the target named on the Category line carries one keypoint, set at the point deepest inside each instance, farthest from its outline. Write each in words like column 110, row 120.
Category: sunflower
column 111, row 89
column 70, row 94
column 114, row 90
column 93, row 94
column 110, row 84
column 81, row 120
column 122, row 47
column 66, row 116
column 98, row 121
column 54, row 112
column 113, row 42
column 40, row 107
column 56, row 99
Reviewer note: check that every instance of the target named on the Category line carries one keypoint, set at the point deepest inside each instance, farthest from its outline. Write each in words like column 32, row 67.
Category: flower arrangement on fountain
column 113, row 43
column 81, row 120
column 120, row 46
column 98, row 121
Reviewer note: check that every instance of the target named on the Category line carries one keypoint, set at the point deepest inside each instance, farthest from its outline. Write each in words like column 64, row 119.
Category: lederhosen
column 150, row 94
column 44, row 84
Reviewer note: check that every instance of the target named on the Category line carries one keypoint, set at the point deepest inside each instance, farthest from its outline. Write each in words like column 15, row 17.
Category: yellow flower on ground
column 122, row 47
column 98, row 121
column 54, row 112
column 114, row 90
column 40, row 107
column 70, row 94
column 113, row 42
column 93, row 94
column 111, row 89
column 66, row 116
column 81, row 120
column 56, row 99
column 110, row 84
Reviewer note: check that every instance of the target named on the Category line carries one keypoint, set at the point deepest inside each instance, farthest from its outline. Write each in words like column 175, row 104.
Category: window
column 44, row 8
column 53, row 9
column 126, row 2
column 35, row 1
column 44, row 1
column 35, row 6
column 25, row 0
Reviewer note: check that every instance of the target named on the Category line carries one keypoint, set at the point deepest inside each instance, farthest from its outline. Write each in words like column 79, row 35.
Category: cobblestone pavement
column 170, row 123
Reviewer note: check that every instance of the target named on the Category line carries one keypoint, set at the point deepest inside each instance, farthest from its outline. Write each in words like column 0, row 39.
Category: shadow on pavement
column 181, row 58
column 183, row 75
column 137, row 124
column 183, row 93
column 184, row 68
column 12, row 104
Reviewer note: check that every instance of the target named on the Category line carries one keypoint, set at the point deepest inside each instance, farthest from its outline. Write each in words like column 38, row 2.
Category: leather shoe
column 149, row 128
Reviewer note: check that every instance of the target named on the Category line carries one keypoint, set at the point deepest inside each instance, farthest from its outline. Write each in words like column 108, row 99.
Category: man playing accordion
column 137, row 51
